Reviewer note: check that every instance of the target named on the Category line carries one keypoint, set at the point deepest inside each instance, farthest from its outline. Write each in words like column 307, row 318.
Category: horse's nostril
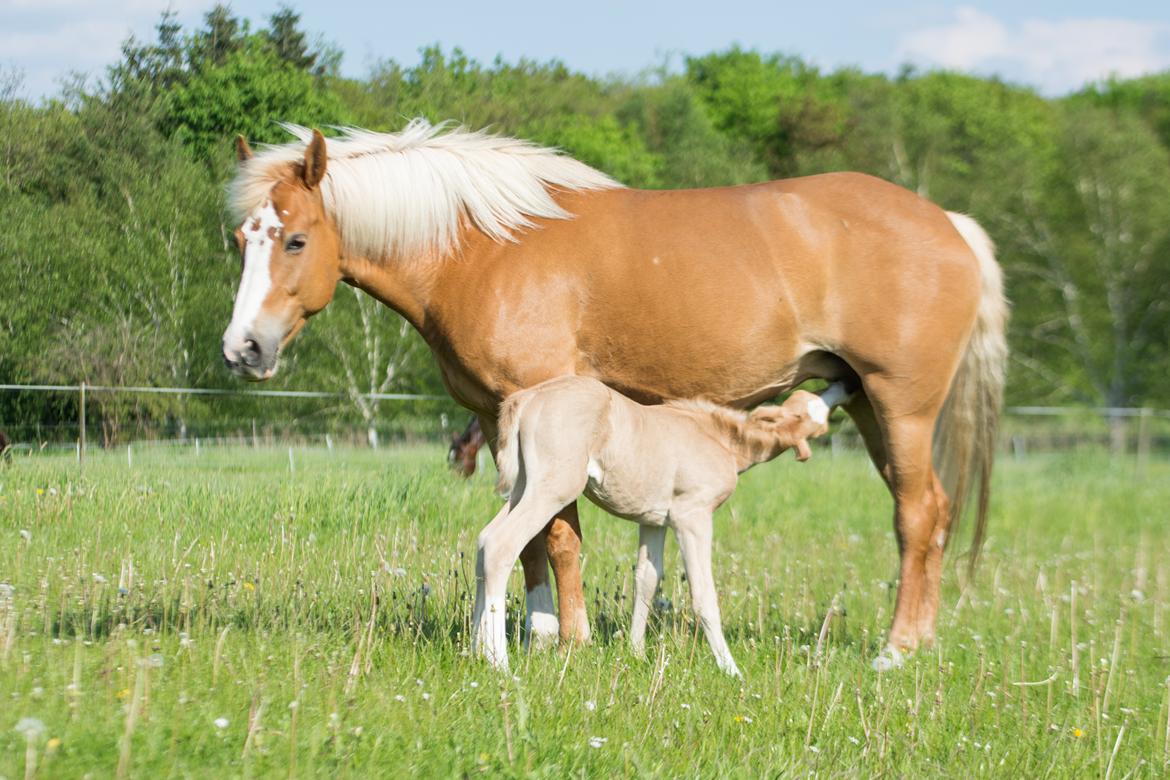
column 251, row 352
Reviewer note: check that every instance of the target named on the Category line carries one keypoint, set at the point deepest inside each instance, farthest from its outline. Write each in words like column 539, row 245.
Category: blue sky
column 1055, row 46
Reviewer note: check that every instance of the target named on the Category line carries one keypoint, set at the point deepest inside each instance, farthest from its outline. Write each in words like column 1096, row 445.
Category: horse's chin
column 259, row 373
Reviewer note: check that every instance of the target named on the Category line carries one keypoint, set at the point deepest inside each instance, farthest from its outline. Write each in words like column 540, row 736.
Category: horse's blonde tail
column 965, row 438
column 508, row 453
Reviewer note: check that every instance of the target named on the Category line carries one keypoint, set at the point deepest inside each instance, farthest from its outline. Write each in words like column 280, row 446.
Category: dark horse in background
column 517, row 264
column 465, row 448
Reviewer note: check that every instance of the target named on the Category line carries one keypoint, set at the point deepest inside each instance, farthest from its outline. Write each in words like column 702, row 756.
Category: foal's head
column 291, row 264
column 801, row 417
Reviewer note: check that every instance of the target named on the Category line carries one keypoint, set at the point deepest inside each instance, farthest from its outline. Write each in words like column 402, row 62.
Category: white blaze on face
column 260, row 230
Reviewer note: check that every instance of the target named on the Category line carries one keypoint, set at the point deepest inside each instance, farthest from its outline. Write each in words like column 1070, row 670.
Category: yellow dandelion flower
column 484, row 758
column 40, row 491
column 1078, row 733
column 122, row 694
column 249, row 586
column 53, row 743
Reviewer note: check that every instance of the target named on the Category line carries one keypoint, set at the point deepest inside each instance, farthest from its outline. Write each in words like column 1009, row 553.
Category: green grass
column 323, row 614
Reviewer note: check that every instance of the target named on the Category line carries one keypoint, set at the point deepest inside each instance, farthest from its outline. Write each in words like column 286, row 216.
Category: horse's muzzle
column 250, row 359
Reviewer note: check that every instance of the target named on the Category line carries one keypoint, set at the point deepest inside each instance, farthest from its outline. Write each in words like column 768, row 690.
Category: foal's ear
column 314, row 169
column 243, row 151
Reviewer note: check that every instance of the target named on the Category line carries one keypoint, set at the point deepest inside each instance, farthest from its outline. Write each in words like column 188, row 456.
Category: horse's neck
column 404, row 287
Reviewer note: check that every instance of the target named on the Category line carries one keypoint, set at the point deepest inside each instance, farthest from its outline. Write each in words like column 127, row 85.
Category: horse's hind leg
column 647, row 574
column 898, row 429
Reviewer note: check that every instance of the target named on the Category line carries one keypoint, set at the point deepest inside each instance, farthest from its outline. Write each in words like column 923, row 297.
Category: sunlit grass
column 230, row 614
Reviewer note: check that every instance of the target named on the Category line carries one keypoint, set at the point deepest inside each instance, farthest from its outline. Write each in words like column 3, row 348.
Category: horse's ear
column 314, row 169
column 243, row 151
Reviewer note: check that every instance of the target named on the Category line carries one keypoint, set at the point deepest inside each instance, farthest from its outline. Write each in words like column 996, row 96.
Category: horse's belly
column 642, row 503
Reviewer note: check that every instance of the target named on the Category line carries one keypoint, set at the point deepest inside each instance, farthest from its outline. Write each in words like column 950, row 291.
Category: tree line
column 117, row 266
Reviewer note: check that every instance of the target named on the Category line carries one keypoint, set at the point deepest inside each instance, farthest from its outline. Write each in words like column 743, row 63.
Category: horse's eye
column 295, row 244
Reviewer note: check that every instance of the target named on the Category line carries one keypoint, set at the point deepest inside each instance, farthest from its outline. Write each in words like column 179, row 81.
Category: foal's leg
column 647, row 574
column 499, row 546
column 540, row 626
column 693, row 531
column 482, row 624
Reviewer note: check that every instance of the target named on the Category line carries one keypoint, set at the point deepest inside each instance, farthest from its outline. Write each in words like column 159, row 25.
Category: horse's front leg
column 541, row 629
column 563, row 543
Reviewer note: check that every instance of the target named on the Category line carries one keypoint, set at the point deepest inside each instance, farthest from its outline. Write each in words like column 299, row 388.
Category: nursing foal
column 661, row 466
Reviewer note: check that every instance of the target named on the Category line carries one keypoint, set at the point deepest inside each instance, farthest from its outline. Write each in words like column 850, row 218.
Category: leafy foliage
column 115, row 245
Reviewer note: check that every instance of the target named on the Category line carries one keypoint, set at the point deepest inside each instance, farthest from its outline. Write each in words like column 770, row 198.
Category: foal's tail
column 964, row 442
column 508, row 454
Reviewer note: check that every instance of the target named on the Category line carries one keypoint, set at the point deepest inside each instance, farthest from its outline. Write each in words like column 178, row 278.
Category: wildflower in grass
column 40, row 491
column 426, row 696
column 31, row 728
column 53, row 744
column 596, row 742
column 399, row 697
column 1078, row 733
column 685, row 706
column 26, row 534
column 591, row 705
column 474, row 684
column 743, row 719
column 99, row 579
column 122, row 694
column 249, row 586
column 221, row 723
column 484, row 758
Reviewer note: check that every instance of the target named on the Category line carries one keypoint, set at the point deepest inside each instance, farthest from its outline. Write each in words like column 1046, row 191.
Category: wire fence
column 277, row 418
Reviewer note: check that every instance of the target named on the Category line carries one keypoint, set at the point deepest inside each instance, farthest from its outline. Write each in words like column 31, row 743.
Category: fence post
column 81, row 439
column 1143, row 442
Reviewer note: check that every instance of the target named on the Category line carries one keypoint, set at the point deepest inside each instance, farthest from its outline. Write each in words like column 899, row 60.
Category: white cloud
column 1055, row 55
column 47, row 39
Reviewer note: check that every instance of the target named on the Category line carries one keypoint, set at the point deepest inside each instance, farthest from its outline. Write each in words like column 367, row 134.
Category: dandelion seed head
column 31, row 728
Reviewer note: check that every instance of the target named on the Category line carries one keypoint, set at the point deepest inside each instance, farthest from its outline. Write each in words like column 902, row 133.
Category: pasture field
column 223, row 615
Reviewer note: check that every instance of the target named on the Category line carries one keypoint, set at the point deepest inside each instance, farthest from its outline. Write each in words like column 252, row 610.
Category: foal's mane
column 753, row 440
column 409, row 193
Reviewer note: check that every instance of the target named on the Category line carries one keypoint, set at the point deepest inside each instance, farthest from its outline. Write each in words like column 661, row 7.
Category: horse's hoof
column 543, row 631
column 889, row 658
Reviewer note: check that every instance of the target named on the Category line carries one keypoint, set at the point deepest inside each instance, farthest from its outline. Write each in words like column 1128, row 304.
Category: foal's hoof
column 889, row 658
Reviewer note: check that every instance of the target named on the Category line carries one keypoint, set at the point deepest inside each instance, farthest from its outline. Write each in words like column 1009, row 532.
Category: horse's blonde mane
column 408, row 194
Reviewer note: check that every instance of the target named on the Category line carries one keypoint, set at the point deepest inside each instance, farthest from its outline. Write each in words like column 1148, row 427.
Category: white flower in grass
column 426, row 696
column 26, row 534
column 474, row 684
column 596, row 742
column 399, row 697
column 591, row 705
column 31, row 728
column 221, row 723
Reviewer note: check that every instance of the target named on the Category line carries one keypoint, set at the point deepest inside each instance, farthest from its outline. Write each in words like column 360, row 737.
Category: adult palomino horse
column 518, row 264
